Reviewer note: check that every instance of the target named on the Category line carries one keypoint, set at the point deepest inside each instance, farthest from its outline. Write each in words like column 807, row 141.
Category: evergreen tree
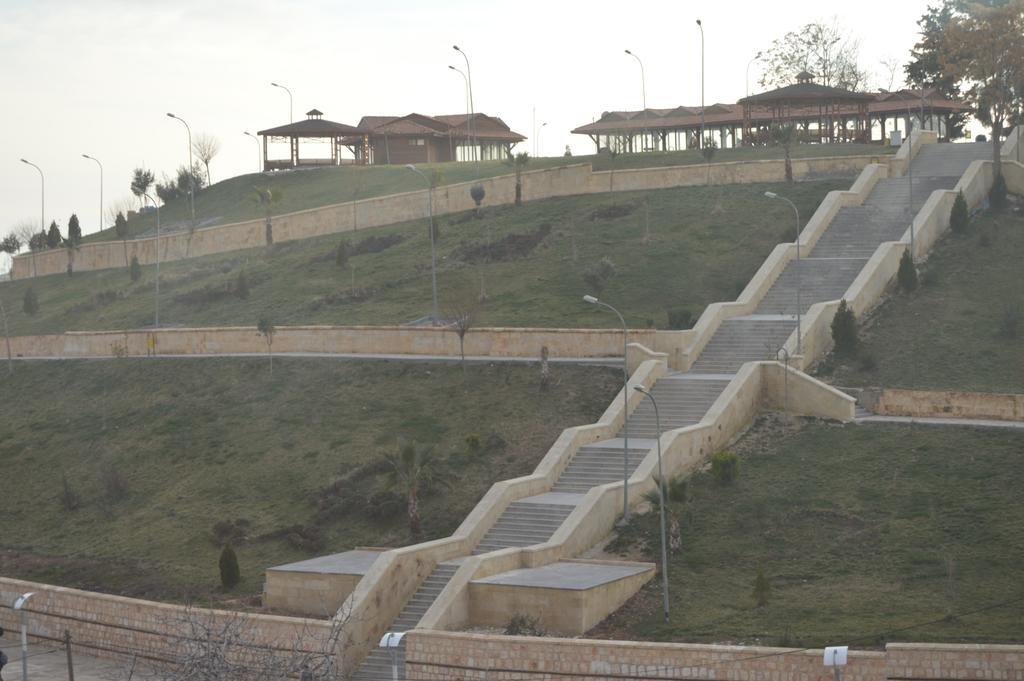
column 230, row 574
column 762, row 589
column 341, row 256
column 907, row 274
column 958, row 217
column 30, row 303
column 53, row 236
column 135, row 270
column 74, row 230
column 844, row 330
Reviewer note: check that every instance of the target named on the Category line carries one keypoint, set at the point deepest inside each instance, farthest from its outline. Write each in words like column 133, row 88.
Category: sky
column 98, row 77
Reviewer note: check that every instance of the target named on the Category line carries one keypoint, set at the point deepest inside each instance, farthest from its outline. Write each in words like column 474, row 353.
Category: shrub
column 1009, row 322
column 135, row 270
column 476, row 192
column 230, row 575
column 867, row 362
column 725, row 467
column 680, row 318
column 242, row 286
column 958, row 217
column 341, row 255
column 70, row 499
column 844, row 330
column 598, row 274
column 30, row 303
column 473, row 443
column 762, row 589
column 524, row 625
column 997, row 195
column 907, row 274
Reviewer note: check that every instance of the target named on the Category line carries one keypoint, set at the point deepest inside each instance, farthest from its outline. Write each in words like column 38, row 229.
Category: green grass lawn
column 952, row 332
column 860, row 529
column 234, row 199
column 159, row 451
column 672, row 248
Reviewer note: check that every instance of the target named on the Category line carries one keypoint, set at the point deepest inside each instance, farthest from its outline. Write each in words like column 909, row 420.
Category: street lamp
column 469, row 115
column 625, row 404
column 643, row 89
column 701, row 27
column 19, row 607
column 472, row 110
column 799, row 323
column 101, row 186
column 42, row 195
column 661, row 495
column 756, row 57
column 259, row 151
column 433, row 252
column 538, row 137
column 156, row 304
column 291, row 110
column 191, row 175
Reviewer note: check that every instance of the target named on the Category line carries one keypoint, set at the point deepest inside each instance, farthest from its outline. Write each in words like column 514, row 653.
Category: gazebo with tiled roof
column 315, row 127
column 837, row 115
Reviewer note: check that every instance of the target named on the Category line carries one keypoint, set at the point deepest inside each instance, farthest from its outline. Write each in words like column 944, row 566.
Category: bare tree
column 462, row 312
column 26, row 231
column 891, row 65
column 7, row 338
column 824, row 50
column 206, row 147
column 266, row 328
column 142, row 180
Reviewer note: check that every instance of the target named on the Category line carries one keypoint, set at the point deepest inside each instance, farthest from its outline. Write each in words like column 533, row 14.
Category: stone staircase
column 378, row 664
column 743, row 339
column 682, row 400
column 599, row 464
column 525, row 523
column 821, row 278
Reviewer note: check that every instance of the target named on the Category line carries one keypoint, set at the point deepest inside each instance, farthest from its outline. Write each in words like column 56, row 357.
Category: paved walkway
column 50, row 663
column 941, row 421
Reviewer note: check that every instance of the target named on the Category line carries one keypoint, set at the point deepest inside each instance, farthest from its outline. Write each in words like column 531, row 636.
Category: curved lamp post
column 19, row 607
column 799, row 324
column 469, row 115
column 291, row 110
column 662, row 498
column 433, row 252
column 259, row 151
column 191, row 175
column 101, row 187
column 749, row 63
column 472, row 110
column 156, row 303
column 701, row 27
column 539, row 130
column 643, row 88
column 42, row 195
column 625, row 404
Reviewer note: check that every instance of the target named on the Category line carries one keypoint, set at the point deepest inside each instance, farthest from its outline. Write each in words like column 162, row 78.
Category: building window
column 417, row 142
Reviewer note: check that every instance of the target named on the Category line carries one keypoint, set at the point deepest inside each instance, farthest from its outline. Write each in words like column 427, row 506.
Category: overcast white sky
column 97, row 77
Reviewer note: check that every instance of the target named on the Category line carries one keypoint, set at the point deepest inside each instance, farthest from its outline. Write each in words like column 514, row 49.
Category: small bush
column 473, row 443
column 524, row 625
column 30, row 302
column 242, row 286
column 997, row 195
column 598, row 275
column 958, row 216
column 680, row 318
column 477, row 193
column 376, row 244
column 1009, row 322
column 844, row 330
column 230, row 531
column 341, row 255
column 762, row 589
column 135, row 270
column 230, row 574
column 725, row 467
column 907, row 274
column 614, row 211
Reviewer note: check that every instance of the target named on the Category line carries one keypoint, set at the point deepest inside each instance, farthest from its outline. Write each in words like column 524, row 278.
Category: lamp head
column 758, row 55
column 771, row 195
column 275, row 85
column 452, row 67
column 640, row 389
column 628, row 52
column 456, row 48
column 409, row 166
column 86, row 156
column 699, row 24
column 170, row 115
column 24, row 161
column 589, row 299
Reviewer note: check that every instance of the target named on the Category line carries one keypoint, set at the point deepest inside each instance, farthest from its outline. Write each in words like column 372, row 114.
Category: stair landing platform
column 318, row 586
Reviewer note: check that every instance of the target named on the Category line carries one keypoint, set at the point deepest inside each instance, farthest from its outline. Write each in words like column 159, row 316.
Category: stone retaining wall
column 951, row 404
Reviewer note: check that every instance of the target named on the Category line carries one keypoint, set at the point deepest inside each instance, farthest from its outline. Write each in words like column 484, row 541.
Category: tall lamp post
column 625, row 404
column 539, row 130
column 701, row 27
column 291, row 110
column 433, row 252
column 19, row 607
column 472, row 110
column 799, row 312
column 643, row 88
column 42, row 195
column 749, row 63
column 191, row 175
column 101, row 186
column 156, row 302
column 469, row 114
column 661, row 496
column 259, row 151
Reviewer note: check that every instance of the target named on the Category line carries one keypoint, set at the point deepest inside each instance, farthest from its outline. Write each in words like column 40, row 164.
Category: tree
column 168, row 190
column 906, row 275
column 206, row 147
column 545, row 368
column 959, row 218
column 823, row 50
column 7, row 338
column 267, row 198
column 518, row 163
column 926, row 70
column 230, row 574
column 265, row 327
column 10, row 244
column 785, row 135
column 413, row 467
column 38, row 242
column 708, row 150
column 462, row 312
column 477, row 192
column 762, row 589
column 74, row 230
column 30, row 302
column 135, row 270
column 53, row 236
column 142, row 180
column 983, row 47
column 844, row 330
column 341, row 255
column 121, row 230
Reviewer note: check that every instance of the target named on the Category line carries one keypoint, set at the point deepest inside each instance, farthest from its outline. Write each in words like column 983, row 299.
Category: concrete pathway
column 50, row 663
column 941, row 421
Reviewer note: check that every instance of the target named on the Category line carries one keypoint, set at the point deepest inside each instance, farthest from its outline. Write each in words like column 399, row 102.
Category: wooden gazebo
column 823, row 114
column 315, row 127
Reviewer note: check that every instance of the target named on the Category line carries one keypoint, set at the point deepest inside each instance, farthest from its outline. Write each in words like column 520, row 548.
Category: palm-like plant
column 267, row 198
column 785, row 135
column 413, row 466
column 518, row 163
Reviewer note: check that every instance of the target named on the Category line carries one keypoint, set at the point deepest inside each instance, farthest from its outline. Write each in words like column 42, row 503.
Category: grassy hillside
column 233, row 200
column 963, row 329
column 157, row 452
column 858, row 529
column 673, row 248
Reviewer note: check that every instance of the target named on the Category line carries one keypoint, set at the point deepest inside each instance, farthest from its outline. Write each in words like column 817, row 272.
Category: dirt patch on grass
column 511, row 247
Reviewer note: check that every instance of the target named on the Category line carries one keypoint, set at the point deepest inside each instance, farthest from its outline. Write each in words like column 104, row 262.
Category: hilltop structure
column 415, row 138
column 315, row 128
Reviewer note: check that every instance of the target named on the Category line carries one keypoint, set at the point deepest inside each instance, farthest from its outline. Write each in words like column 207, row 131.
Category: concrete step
column 742, row 340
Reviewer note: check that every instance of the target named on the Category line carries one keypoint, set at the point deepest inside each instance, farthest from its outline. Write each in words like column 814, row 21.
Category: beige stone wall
column 940, row 662
column 386, row 210
column 112, row 626
column 970, row 405
column 448, row 656
column 307, row 593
